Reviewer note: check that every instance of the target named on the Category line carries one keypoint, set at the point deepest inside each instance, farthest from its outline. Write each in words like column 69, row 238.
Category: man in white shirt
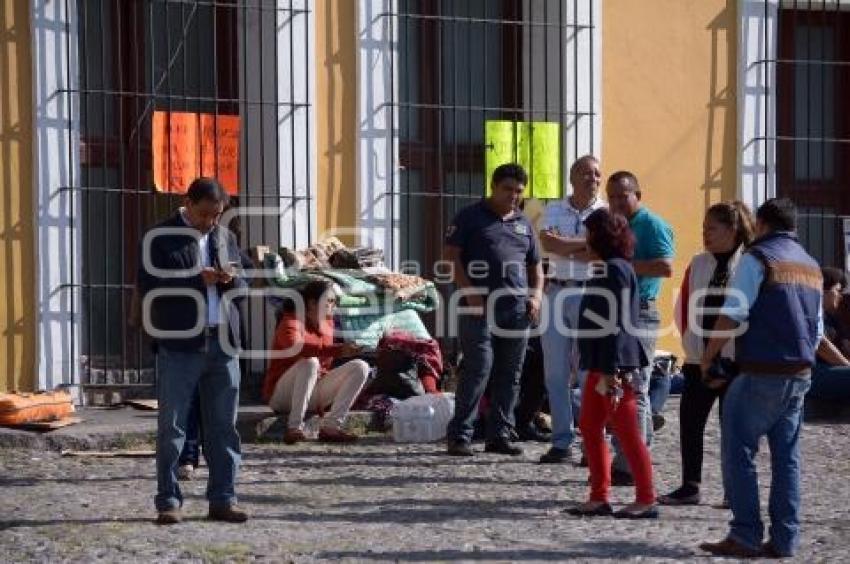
column 562, row 236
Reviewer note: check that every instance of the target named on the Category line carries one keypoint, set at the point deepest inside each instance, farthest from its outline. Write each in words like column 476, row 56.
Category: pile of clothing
column 372, row 301
column 331, row 253
column 377, row 309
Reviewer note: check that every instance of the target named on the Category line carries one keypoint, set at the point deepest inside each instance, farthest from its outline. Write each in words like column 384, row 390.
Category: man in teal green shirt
column 653, row 260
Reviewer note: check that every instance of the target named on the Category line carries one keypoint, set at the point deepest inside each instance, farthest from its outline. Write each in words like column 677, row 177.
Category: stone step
column 263, row 425
column 123, row 428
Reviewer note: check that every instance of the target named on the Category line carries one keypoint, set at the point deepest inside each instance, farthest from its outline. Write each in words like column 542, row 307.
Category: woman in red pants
column 611, row 353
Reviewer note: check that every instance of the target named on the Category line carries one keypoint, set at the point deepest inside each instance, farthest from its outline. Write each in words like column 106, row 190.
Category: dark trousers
column 830, row 384
column 191, row 453
column 694, row 409
column 532, row 386
column 489, row 356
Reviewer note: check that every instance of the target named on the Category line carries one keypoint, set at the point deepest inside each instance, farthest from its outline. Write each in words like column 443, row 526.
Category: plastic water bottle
column 422, row 419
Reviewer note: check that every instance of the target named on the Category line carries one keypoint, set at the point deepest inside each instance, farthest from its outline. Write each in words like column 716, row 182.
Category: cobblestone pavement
column 382, row 501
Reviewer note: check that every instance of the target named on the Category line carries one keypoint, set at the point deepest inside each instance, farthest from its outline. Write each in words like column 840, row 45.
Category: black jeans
column 532, row 387
column 697, row 401
column 489, row 357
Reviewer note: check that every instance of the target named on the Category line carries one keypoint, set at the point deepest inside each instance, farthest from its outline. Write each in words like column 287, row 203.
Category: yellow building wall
column 17, row 235
column 336, row 116
column 669, row 114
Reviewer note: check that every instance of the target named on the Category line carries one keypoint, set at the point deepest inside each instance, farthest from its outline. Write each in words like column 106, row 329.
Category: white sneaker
column 185, row 472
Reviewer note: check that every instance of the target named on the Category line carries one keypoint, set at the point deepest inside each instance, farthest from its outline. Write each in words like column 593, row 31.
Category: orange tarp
column 18, row 409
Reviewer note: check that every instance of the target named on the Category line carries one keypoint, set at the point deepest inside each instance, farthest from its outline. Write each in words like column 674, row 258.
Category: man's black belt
column 567, row 283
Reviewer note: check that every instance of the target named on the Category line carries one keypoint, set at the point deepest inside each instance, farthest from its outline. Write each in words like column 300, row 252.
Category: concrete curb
column 126, row 428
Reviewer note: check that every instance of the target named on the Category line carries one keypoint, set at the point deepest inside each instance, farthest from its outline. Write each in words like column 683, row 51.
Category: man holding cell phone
column 184, row 273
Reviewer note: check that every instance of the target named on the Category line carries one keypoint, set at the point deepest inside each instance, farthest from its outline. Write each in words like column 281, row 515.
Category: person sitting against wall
column 302, row 380
column 831, row 376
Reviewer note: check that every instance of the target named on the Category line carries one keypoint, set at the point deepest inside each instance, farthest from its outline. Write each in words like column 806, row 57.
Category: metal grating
column 808, row 122
column 225, row 57
column 461, row 64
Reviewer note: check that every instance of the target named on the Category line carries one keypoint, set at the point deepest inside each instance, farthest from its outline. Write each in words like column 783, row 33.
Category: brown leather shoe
column 292, row 436
column 730, row 547
column 169, row 517
column 333, row 435
column 227, row 513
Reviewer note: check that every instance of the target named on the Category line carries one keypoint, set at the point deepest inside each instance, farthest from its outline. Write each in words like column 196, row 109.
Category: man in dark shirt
column 499, row 275
column 187, row 273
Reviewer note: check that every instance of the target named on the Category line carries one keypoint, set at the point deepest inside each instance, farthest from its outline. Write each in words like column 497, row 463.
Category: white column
column 757, row 49
column 57, row 174
column 377, row 162
column 296, row 31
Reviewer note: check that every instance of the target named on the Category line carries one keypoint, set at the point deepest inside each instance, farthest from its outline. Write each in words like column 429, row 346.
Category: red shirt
column 301, row 342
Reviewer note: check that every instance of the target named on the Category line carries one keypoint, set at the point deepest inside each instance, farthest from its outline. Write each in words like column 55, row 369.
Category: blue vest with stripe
column 783, row 321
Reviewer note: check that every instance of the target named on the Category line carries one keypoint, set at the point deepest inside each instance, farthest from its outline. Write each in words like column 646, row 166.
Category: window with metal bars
column 813, row 121
column 793, row 79
column 250, row 59
column 459, row 65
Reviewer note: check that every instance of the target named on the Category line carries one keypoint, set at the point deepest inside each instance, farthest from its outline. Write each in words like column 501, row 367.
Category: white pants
column 300, row 389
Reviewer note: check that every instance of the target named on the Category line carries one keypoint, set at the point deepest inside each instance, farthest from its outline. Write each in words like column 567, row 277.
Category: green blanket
column 367, row 330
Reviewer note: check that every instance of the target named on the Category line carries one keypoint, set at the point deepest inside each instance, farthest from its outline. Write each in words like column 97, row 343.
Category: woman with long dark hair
column 611, row 353
column 727, row 229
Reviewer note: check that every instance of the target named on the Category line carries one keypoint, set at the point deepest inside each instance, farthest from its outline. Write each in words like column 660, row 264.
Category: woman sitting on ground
column 300, row 378
column 726, row 230
column 831, row 375
column 612, row 356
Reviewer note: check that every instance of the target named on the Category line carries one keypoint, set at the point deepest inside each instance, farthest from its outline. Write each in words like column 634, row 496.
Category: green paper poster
column 500, row 138
column 544, row 164
column 534, row 145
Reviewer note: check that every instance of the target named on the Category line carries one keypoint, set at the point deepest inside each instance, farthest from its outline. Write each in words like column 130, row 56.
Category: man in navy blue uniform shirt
column 497, row 268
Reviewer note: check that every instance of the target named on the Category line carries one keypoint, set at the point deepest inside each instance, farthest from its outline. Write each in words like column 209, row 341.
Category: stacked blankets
column 371, row 301
column 360, row 292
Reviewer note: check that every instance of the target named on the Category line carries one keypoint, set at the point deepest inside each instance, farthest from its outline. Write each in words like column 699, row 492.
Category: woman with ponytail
column 727, row 229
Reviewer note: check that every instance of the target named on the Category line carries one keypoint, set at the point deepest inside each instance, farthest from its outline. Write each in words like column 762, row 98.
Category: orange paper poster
column 187, row 145
column 220, row 150
column 175, row 150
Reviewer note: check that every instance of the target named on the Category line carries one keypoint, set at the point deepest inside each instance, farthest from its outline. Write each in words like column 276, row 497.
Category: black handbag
column 397, row 375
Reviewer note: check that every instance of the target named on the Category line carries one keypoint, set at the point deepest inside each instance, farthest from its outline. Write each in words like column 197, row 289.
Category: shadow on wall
column 17, row 285
column 721, row 153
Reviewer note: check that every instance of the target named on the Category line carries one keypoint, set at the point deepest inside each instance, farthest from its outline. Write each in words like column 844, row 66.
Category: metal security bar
column 221, row 58
column 462, row 64
column 811, row 140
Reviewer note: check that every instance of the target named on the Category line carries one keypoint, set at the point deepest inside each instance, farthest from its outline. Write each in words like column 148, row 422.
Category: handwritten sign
column 534, row 145
column 544, row 161
column 187, row 145
column 220, row 150
column 501, row 144
column 175, row 150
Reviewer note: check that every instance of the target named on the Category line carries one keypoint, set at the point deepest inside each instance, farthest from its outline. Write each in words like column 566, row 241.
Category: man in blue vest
column 774, row 307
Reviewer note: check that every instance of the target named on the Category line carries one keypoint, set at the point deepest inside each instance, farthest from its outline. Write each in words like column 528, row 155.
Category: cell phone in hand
column 231, row 268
